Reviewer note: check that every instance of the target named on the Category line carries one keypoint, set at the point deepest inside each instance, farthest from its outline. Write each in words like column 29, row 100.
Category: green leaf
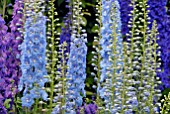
column 95, row 29
column 89, row 93
column 89, row 4
column 6, row 103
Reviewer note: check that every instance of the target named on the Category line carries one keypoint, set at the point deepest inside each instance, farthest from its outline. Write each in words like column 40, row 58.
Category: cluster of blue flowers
column 33, row 60
column 76, row 73
column 111, row 53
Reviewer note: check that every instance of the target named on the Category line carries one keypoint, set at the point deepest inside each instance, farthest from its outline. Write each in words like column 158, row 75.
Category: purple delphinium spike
column 66, row 31
column 125, row 10
column 6, row 76
column 92, row 107
column 33, row 60
column 158, row 13
column 88, row 109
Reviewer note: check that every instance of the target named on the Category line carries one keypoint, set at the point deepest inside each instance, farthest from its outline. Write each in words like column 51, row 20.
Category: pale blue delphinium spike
column 112, row 56
column 33, row 51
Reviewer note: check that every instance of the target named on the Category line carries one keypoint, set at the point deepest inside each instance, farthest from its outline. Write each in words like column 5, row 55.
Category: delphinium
column 152, row 92
column 60, row 88
column 76, row 62
column 158, row 13
column 88, row 109
column 141, row 46
column 3, row 57
column 111, row 53
column 125, row 9
column 9, row 66
column 96, row 54
column 166, row 104
column 64, row 49
column 17, row 30
column 134, row 51
column 66, row 30
column 11, row 72
column 52, row 56
column 33, row 61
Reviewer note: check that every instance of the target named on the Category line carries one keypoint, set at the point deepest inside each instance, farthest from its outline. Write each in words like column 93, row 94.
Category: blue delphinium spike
column 76, row 73
column 158, row 13
column 111, row 53
column 33, row 61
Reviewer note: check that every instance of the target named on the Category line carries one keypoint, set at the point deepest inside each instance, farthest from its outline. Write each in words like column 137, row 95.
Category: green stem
column 124, row 82
column 63, row 79
column 53, row 55
column 36, row 106
column 99, row 56
column 114, row 62
column 143, row 50
column 4, row 7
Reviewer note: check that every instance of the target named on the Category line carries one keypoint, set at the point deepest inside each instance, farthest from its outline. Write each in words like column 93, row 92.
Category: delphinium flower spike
column 8, row 74
column 76, row 74
column 131, row 59
column 125, row 9
column 141, row 49
column 112, row 59
column 76, row 62
column 66, row 30
column 60, row 87
column 64, row 48
column 158, row 13
column 33, row 60
column 96, row 59
column 166, row 104
column 3, row 56
column 152, row 92
column 52, row 56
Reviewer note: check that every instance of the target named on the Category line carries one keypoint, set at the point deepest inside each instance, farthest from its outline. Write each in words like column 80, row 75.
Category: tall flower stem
column 53, row 54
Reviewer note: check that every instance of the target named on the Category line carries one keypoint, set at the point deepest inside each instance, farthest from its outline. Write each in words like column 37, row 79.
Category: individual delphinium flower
column 33, row 50
column 166, row 104
column 158, row 13
column 77, row 61
column 52, row 56
column 125, row 9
